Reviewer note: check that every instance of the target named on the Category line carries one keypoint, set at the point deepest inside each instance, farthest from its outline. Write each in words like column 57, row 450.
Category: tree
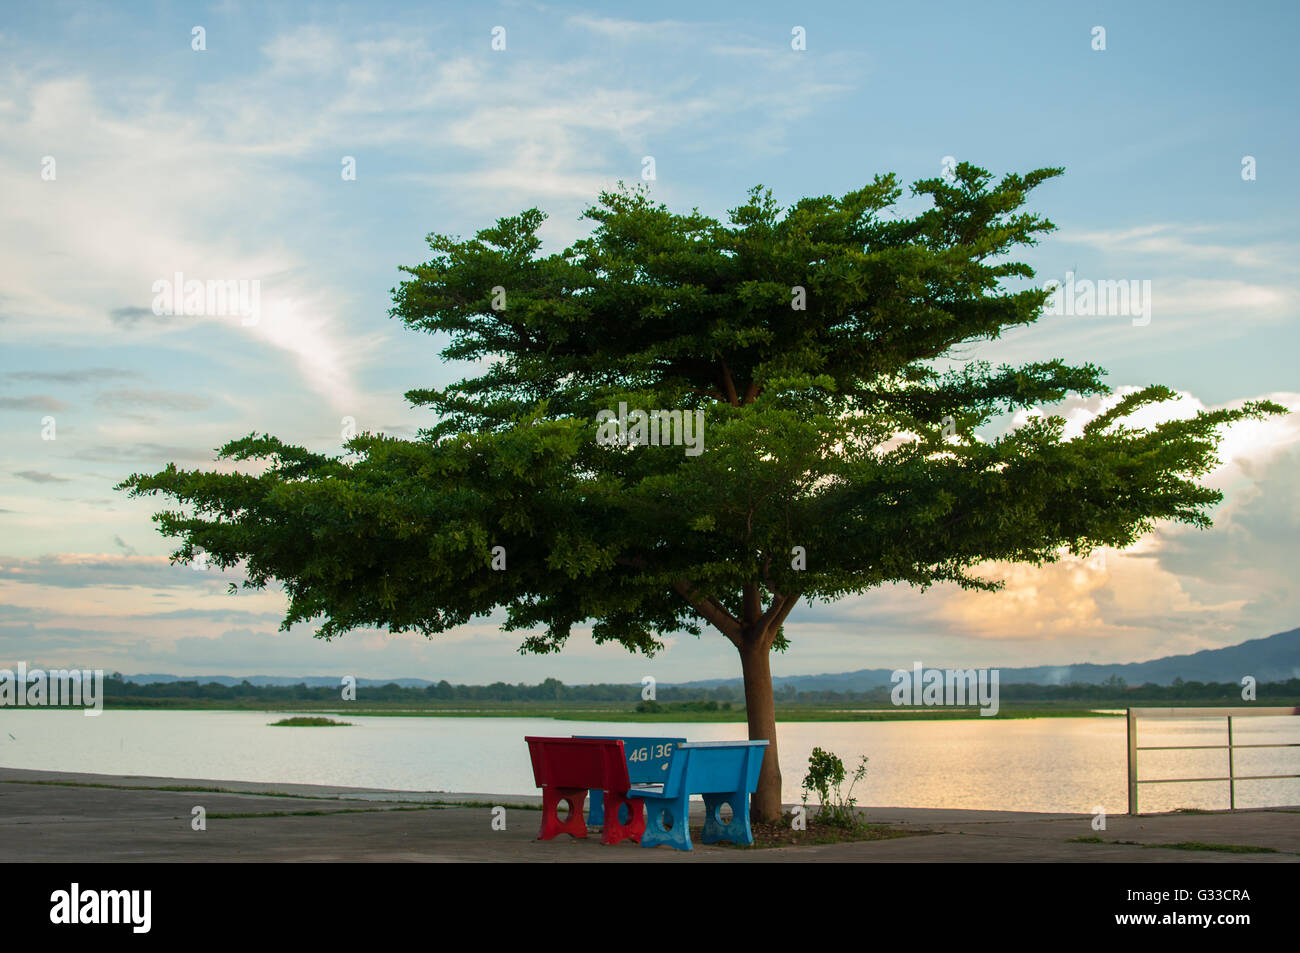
column 840, row 448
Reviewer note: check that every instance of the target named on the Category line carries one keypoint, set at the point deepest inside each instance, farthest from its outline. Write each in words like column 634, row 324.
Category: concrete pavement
column 58, row 816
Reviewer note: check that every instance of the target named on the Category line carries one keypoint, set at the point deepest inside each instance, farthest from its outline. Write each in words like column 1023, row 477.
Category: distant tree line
column 554, row 691
column 550, row 690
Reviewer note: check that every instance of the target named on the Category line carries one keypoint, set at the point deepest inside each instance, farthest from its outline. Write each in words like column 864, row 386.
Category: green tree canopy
column 840, row 434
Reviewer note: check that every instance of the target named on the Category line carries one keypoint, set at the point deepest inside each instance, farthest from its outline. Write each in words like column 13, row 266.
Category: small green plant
column 826, row 776
column 309, row 722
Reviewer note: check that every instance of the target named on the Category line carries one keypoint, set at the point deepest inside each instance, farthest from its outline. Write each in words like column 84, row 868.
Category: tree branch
column 761, row 624
column 777, row 618
column 729, row 385
column 711, row 611
column 791, row 601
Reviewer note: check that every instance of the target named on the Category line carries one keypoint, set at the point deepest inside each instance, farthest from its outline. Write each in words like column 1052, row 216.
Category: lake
column 1044, row 764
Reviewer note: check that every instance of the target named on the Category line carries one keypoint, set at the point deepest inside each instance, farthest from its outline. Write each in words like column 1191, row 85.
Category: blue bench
column 724, row 772
column 647, row 760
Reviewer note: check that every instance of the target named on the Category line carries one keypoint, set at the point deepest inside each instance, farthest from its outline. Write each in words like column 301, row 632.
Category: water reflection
column 1046, row 764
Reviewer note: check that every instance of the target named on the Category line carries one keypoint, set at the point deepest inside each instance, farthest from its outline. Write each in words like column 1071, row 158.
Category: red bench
column 566, row 768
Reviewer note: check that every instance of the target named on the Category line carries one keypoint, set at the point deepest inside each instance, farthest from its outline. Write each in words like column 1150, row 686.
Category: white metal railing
column 1170, row 713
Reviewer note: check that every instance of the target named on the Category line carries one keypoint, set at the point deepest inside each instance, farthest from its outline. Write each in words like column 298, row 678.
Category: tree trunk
column 760, row 709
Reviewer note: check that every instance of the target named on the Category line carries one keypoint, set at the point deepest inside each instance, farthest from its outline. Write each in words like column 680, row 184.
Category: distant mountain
column 1275, row 658
column 1272, row 659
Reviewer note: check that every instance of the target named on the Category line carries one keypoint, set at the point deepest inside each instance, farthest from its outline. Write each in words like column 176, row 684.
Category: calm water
column 1048, row 764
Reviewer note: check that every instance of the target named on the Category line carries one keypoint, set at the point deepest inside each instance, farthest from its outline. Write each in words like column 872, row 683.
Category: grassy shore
column 686, row 712
column 598, row 711
column 738, row 715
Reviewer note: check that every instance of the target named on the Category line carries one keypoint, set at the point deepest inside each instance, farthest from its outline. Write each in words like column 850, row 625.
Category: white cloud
column 1175, row 242
column 638, row 30
column 1177, row 589
column 136, row 199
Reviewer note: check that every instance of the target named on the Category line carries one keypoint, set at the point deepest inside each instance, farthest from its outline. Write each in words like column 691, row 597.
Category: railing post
column 1132, row 763
column 1232, row 778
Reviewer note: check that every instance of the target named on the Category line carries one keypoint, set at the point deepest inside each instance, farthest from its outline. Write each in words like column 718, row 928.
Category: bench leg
column 596, row 814
column 615, row 829
column 738, row 830
column 678, row 815
column 551, row 823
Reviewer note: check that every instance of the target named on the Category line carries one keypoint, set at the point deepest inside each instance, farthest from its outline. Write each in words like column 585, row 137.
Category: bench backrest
column 647, row 758
column 578, row 763
column 715, row 767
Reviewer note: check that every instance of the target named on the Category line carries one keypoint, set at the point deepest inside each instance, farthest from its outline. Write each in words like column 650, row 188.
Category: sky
column 128, row 155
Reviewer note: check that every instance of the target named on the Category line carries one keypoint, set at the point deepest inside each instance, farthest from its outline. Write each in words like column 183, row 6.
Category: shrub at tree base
column 825, row 778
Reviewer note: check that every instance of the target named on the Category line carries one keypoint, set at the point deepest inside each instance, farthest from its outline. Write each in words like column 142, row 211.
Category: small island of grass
column 306, row 722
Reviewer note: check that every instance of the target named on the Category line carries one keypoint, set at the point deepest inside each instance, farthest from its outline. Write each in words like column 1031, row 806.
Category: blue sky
column 225, row 163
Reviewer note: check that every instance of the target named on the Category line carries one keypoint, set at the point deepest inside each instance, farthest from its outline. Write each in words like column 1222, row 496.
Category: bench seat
column 566, row 768
column 722, row 772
